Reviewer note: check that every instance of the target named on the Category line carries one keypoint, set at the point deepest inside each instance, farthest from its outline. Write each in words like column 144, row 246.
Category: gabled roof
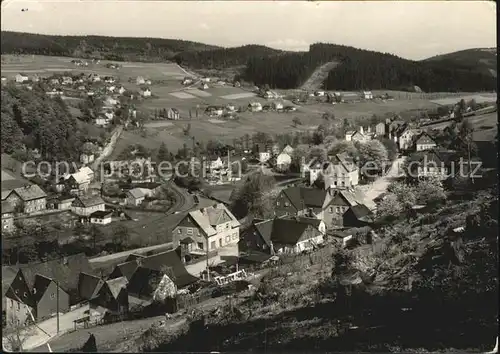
column 82, row 176
column 302, row 197
column 361, row 212
column 125, row 269
column 137, row 193
column 41, row 284
column 101, row 214
column 88, row 285
column 8, row 275
column 206, row 218
column 425, row 139
column 116, row 285
column 287, row 231
column 66, row 271
column 90, row 200
column 30, row 192
column 344, row 160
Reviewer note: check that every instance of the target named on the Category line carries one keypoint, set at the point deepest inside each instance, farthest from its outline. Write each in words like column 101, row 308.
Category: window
column 53, row 296
column 228, row 238
column 25, row 294
column 189, row 231
column 330, row 209
column 220, row 242
column 337, row 209
column 227, row 226
column 18, row 306
column 11, row 303
column 278, row 203
column 179, row 231
column 287, row 204
column 212, row 245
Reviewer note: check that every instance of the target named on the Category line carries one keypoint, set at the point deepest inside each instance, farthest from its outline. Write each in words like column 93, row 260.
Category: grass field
column 485, row 126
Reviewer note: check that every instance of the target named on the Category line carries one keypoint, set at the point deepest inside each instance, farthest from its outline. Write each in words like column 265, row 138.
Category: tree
column 430, row 191
column 389, row 208
column 391, row 147
column 120, row 235
column 342, row 146
column 187, row 129
column 296, row 121
column 372, row 156
column 96, row 234
column 299, row 157
column 254, row 196
column 472, row 104
column 163, row 154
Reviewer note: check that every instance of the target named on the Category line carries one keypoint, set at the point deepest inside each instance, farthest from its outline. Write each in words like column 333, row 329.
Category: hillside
column 358, row 69
column 416, row 287
column 485, row 58
column 101, row 47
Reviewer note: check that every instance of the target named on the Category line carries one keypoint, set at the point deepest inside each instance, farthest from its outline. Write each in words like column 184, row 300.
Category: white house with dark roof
column 79, row 181
column 20, row 78
column 207, row 229
column 173, row 113
column 424, row 142
column 136, row 196
column 342, row 172
column 86, row 205
column 101, row 217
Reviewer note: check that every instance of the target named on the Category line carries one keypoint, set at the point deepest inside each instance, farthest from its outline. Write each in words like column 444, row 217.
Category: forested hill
column 481, row 57
column 110, row 48
column 358, row 69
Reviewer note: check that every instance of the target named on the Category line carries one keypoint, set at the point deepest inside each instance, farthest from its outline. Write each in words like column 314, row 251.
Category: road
column 379, row 186
column 108, row 149
column 36, row 337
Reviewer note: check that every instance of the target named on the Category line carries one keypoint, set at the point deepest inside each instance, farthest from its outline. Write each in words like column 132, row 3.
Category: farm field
column 485, row 126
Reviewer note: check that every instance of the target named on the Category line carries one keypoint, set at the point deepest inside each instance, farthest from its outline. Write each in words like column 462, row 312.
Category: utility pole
column 57, row 304
column 208, row 269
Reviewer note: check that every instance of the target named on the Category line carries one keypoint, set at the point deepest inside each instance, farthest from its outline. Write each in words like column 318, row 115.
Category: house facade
column 17, row 300
column 380, row 129
column 136, row 196
column 207, row 229
column 425, row 142
column 49, row 297
column 20, row 78
column 86, row 205
column 7, row 217
column 111, row 298
column 342, row 200
column 342, row 172
column 29, row 199
column 302, row 201
column 101, row 217
column 173, row 114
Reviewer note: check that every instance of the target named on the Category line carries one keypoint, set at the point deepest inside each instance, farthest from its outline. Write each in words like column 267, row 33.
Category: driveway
column 379, row 186
column 35, row 337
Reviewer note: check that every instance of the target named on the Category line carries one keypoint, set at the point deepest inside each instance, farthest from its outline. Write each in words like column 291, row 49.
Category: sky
column 410, row 29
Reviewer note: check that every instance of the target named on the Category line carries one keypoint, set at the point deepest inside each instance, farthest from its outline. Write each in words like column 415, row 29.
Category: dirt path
column 375, row 189
column 318, row 76
column 108, row 149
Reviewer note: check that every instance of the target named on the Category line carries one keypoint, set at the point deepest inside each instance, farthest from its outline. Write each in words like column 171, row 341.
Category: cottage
column 20, row 78
column 173, row 113
column 67, row 80
column 88, row 285
column 357, row 216
column 302, row 201
column 101, row 217
column 206, row 229
column 146, row 92
column 29, row 199
column 284, row 158
column 140, row 80
column 64, row 202
column 432, row 163
column 319, row 93
column 341, row 201
column 404, row 136
column 214, row 111
column 136, row 196
column 187, row 81
column 230, row 107
column 237, row 84
column 111, row 298
column 109, row 79
column 102, row 121
column 349, row 134
column 263, row 153
column 79, row 182
column 380, row 129
column 424, row 142
column 282, row 235
column 64, row 271
column 121, row 90
column 18, row 305
column 368, row 95
column 86, row 205
column 204, row 86
column 255, row 107
column 49, row 297
column 289, row 109
column 277, row 106
column 7, row 217
column 359, row 135
column 342, row 172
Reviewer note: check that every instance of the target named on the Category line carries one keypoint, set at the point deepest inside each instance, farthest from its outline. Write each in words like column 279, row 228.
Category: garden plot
column 158, row 124
column 236, row 96
column 181, row 95
column 453, row 100
column 59, row 69
column 199, row 93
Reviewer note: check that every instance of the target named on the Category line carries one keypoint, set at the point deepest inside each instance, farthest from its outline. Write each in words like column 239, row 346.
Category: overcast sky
column 413, row 30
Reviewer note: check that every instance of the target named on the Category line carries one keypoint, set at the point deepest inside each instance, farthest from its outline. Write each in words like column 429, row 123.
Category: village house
column 341, row 172
column 215, row 163
column 282, row 235
column 255, row 107
column 302, row 201
column 158, row 277
column 368, row 95
column 7, row 217
column 109, row 79
column 277, row 106
column 88, row 285
column 314, row 169
column 86, row 205
column 284, row 158
column 49, row 297
column 102, row 121
column 111, row 298
column 206, row 229
column 359, row 135
column 101, row 217
column 424, row 142
column 187, row 81
column 393, row 127
column 236, row 84
column 136, row 196
column 341, row 201
column 86, row 158
column 64, row 202
column 204, row 86
column 140, row 80
column 146, row 92
column 29, row 199
column 54, row 81
column 358, row 216
column 111, row 88
column 67, row 80
column 121, row 90
column 79, row 182
column 214, row 111
column 110, row 102
column 36, row 78
column 380, row 129
column 230, row 107
column 173, row 113
column 432, row 163
column 55, row 92
column 405, row 137
column 262, row 152
column 20, row 78
column 17, row 300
